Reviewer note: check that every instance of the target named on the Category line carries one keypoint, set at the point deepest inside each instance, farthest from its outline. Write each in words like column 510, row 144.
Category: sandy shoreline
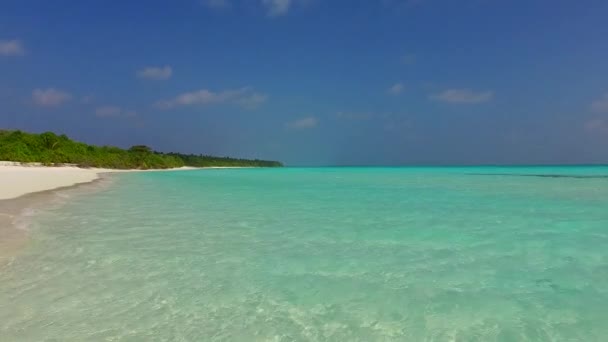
column 29, row 186
column 18, row 179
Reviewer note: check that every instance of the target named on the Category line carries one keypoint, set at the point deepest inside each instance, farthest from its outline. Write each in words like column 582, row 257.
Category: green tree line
column 51, row 149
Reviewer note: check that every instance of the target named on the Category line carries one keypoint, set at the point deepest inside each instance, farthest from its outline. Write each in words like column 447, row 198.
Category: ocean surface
column 318, row 254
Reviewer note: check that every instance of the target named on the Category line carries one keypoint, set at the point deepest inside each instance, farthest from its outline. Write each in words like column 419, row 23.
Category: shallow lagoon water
column 319, row 254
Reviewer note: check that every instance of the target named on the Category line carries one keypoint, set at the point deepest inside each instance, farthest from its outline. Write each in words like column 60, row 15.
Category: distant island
column 51, row 149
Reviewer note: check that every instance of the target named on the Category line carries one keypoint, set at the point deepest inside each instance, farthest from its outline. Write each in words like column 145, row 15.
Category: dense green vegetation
column 51, row 149
column 207, row 161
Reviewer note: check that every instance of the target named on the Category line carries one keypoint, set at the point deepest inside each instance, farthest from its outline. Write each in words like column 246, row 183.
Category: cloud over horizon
column 597, row 127
column 463, row 96
column 351, row 82
column 600, row 105
column 156, row 73
column 11, row 48
column 50, row 97
column 396, row 89
column 244, row 97
column 303, row 123
column 277, row 8
column 273, row 8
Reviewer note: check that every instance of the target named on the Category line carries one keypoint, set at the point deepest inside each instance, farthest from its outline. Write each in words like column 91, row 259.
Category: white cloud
column 408, row 59
column 50, row 97
column 217, row 4
column 245, row 97
column 600, row 105
column 396, row 89
column 253, row 100
column 277, row 7
column 463, row 96
column 303, row 123
column 87, row 99
column 597, row 125
column 156, row 73
column 11, row 48
column 274, row 8
column 113, row 111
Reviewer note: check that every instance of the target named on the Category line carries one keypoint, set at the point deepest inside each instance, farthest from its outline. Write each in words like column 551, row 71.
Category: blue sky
column 315, row 82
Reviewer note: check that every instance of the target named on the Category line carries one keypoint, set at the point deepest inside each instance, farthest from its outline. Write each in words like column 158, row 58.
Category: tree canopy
column 50, row 149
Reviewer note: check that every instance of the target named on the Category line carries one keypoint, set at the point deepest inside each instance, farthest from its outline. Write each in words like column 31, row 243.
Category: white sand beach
column 19, row 179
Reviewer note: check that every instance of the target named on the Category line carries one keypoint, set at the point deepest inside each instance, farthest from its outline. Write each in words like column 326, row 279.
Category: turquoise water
column 328, row 254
